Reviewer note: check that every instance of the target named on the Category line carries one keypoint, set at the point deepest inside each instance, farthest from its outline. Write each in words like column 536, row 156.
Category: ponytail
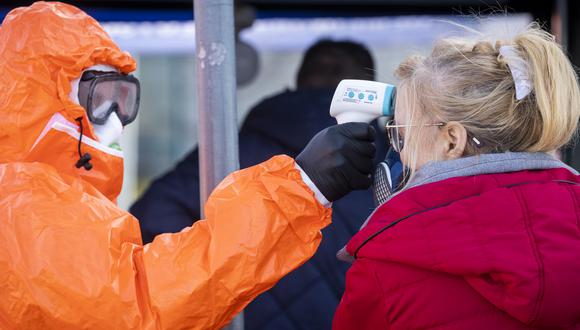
column 555, row 88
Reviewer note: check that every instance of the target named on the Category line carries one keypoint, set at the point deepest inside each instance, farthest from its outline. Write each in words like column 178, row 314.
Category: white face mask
column 109, row 134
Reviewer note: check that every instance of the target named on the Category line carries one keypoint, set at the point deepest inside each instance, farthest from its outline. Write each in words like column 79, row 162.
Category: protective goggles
column 102, row 93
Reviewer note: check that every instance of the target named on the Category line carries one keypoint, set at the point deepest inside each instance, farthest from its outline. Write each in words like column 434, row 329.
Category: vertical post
column 216, row 92
column 216, row 97
column 562, row 11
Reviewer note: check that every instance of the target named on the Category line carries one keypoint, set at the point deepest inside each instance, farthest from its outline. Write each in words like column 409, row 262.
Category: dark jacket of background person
column 282, row 124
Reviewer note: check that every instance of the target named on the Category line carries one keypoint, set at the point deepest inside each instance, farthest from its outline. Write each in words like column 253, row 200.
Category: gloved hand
column 340, row 159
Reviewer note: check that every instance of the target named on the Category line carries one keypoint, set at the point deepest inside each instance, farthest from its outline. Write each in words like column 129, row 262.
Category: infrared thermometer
column 362, row 101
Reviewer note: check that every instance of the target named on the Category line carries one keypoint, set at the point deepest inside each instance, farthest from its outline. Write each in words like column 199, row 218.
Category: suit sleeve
column 70, row 259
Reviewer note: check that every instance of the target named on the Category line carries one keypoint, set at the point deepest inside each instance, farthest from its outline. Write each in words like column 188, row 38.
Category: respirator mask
column 388, row 177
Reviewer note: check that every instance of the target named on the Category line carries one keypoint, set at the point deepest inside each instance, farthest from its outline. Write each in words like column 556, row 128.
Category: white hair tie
column 519, row 69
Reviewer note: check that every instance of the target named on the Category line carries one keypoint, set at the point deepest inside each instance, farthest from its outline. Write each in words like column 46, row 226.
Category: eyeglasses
column 398, row 141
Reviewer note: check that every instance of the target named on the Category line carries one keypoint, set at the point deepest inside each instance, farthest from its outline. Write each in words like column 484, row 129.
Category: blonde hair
column 468, row 81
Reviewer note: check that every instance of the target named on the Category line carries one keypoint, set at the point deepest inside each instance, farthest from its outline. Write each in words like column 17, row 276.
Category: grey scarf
column 485, row 164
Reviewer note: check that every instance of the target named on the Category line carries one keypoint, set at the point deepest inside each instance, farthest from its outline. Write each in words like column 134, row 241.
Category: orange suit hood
column 38, row 65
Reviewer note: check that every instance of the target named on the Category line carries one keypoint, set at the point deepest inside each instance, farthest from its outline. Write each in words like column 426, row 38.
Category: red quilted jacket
column 495, row 251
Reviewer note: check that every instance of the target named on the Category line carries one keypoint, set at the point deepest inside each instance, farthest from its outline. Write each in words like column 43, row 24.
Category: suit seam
column 324, row 278
column 383, row 294
column 540, row 265
column 576, row 205
column 284, row 308
column 408, row 285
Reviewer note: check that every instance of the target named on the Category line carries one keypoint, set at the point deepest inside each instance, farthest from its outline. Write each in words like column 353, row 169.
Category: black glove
column 340, row 159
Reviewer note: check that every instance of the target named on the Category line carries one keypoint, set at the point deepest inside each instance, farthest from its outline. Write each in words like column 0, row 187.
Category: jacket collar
column 485, row 164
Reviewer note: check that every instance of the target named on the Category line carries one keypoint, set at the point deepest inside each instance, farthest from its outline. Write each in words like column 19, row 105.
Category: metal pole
column 216, row 97
column 562, row 10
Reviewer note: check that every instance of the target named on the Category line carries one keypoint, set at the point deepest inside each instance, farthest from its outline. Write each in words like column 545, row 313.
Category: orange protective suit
column 69, row 257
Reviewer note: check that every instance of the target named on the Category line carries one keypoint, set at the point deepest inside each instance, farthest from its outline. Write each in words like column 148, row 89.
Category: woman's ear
column 455, row 137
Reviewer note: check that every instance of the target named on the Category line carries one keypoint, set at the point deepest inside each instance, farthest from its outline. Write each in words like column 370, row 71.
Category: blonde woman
column 486, row 233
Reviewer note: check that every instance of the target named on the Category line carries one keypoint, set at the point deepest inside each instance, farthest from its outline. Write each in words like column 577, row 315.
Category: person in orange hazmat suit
column 71, row 259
